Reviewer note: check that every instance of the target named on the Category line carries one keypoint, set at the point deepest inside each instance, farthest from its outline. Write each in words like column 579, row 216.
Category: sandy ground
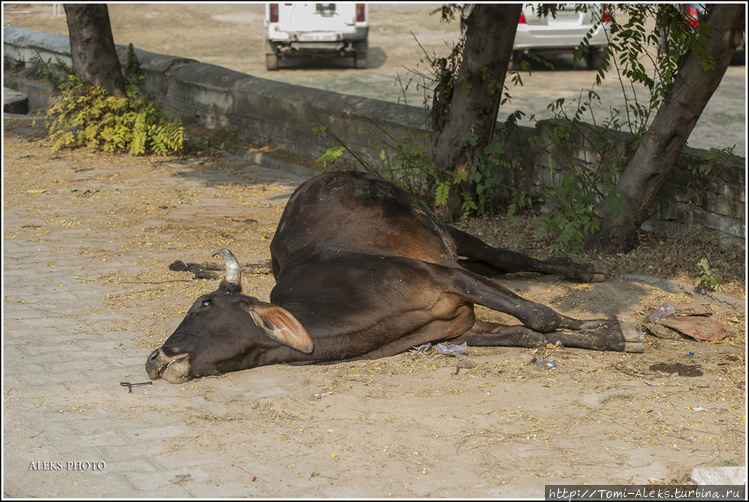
column 412, row 425
column 401, row 35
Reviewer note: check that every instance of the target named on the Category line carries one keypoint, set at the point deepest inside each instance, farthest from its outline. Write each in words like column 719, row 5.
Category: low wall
column 283, row 116
column 258, row 110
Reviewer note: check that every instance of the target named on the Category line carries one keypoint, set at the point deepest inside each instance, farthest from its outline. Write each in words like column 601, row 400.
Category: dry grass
column 667, row 257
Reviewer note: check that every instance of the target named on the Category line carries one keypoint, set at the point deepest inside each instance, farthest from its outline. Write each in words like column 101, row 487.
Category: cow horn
column 233, row 280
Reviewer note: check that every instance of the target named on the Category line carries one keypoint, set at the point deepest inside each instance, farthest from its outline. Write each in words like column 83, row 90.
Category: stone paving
column 64, row 431
column 53, row 368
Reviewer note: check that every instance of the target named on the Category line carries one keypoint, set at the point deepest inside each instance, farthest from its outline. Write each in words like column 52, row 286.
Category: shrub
column 87, row 115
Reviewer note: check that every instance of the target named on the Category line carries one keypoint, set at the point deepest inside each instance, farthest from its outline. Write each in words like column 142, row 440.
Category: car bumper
column 549, row 37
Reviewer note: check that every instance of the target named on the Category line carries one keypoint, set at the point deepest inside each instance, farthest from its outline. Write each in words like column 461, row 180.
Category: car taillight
column 360, row 13
column 522, row 18
column 692, row 16
column 605, row 16
column 274, row 13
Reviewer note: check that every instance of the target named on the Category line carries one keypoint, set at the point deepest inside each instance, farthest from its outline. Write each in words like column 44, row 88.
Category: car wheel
column 271, row 62
column 360, row 60
column 516, row 61
column 594, row 57
column 360, row 54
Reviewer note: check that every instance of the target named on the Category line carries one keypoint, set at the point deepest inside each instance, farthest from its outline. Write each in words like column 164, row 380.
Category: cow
column 364, row 270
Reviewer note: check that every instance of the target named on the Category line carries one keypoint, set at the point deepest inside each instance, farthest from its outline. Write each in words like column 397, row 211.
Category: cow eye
column 206, row 303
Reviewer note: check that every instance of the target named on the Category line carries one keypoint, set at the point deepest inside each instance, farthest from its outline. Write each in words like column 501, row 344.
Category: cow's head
column 225, row 331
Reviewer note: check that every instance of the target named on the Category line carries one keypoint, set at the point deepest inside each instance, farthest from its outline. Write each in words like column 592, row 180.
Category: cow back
column 357, row 211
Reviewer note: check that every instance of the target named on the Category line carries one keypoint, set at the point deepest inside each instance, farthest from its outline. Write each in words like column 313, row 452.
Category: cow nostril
column 154, row 356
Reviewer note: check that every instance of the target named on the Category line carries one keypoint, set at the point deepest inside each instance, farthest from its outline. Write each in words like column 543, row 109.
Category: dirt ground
column 414, row 425
column 231, row 35
column 495, row 424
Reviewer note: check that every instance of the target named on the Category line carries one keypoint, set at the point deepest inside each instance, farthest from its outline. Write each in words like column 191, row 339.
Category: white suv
column 562, row 33
column 316, row 28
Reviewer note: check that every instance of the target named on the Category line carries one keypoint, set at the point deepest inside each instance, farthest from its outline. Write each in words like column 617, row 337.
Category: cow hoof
column 574, row 268
column 611, row 334
column 634, row 338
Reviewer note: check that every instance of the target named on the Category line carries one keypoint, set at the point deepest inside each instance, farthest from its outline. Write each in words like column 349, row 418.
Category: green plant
column 714, row 162
column 221, row 139
column 409, row 162
column 335, row 152
column 132, row 72
column 331, row 154
column 55, row 74
column 707, row 280
column 645, row 62
column 575, row 183
column 482, row 174
column 87, row 115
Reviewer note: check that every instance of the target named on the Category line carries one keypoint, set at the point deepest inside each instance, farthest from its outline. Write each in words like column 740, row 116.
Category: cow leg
column 542, row 324
column 489, row 261
column 479, row 290
column 437, row 329
column 459, row 325
column 608, row 334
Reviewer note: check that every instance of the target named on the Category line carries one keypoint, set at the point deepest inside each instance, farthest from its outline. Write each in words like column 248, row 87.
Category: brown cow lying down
column 364, row 270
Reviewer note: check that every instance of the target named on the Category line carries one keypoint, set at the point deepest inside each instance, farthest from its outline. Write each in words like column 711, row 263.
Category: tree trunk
column 92, row 47
column 474, row 102
column 666, row 137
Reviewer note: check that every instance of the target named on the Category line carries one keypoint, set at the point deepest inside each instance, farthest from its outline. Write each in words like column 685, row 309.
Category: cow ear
column 281, row 326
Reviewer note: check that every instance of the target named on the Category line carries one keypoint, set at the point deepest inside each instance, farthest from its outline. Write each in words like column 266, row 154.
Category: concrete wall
column 283, row 116
column 264, row 112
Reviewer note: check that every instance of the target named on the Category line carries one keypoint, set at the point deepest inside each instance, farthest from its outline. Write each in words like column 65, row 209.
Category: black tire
column 594, row 57
column 516, row 61
column 360, row 54
column 360, row 60
column 271, row 62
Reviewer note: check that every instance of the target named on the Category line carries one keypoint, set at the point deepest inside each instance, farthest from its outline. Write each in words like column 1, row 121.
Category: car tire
column 594, row 57
column 516, row 61
column 271, row 62
column 360, row 54
column 360, row 60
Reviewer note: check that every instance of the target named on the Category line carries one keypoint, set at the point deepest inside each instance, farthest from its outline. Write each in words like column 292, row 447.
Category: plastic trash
column 545, row 364
column 452, row 350
column 421, row 348
column 664, row 310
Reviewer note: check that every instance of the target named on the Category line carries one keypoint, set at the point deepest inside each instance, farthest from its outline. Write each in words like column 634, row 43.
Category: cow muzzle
column 172, row 368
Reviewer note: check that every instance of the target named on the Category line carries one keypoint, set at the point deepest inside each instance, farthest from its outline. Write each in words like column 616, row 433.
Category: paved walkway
column 64, row 356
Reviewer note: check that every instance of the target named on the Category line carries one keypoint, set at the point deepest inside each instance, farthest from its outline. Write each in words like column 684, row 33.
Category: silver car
column 549, row 36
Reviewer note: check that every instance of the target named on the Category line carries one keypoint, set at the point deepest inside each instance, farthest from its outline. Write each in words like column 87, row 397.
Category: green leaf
column 471, row 138
column 442, row 194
